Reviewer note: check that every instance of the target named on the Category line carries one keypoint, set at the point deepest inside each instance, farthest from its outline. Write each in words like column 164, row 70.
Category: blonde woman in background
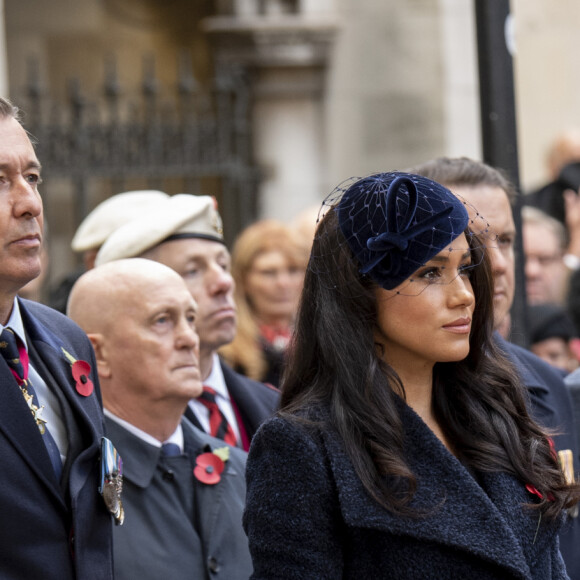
column 268, row 264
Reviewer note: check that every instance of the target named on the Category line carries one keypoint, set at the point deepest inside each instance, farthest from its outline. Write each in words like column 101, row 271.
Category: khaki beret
column 112, row 214
column 181, row 215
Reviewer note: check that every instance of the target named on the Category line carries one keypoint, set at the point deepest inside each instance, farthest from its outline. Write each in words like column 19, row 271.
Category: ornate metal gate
column 185, row 138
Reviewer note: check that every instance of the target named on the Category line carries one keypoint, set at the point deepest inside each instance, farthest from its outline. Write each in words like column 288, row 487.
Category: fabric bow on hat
column 396, row 222
column 400, row 232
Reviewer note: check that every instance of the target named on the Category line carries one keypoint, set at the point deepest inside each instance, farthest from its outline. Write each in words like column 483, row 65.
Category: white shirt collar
column 176, row 437
column 216, row 380
column 16, row 324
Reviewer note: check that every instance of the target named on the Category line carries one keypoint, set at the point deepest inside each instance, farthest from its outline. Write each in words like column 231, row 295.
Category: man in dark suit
column 488, row 192
column 55, row 525
column 184, row 491
column 184, row 232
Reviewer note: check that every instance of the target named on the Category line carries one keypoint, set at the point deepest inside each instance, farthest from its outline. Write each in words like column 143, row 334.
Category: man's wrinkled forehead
column 144, row 298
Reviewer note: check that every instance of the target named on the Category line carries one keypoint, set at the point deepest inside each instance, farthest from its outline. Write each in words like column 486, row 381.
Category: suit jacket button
column 168, row 475
column 213, row 565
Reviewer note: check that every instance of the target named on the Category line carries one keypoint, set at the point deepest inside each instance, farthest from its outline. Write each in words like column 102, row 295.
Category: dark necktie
column 218, row 424
column 170, row 450
column 16, row 357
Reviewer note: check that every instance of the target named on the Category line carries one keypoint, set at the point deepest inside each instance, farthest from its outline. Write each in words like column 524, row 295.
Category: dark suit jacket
column 550, row 199
column 551, row 406
column 255, row 401
column 44, row 522
column 572, row 382
column 177, row 527
column 308, row 515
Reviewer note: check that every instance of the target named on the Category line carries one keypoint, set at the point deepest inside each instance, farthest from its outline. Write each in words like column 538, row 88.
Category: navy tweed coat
column 308, row 516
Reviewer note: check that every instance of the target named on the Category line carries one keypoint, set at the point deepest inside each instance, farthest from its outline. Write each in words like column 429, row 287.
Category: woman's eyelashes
column 444, row 273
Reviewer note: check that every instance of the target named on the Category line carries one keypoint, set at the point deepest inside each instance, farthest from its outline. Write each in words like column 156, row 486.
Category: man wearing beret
column 184, row 232
column 55, row 523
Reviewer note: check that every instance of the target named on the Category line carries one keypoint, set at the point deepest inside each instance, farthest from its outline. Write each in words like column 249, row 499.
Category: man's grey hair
column 464, row 172
column 8, row 110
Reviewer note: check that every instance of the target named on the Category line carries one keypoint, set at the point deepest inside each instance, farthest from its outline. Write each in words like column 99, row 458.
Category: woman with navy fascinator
column 402, row 447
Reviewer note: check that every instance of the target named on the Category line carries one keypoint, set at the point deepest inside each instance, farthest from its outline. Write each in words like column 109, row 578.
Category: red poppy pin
column 210, row 465
column 80, row 371
column 533, row 490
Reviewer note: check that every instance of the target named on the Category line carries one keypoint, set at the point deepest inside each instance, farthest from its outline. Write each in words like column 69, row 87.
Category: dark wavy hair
column 478, row 402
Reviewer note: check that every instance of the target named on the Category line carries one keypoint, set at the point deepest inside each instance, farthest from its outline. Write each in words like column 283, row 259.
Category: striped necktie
column 15, row 355
column 219, row 426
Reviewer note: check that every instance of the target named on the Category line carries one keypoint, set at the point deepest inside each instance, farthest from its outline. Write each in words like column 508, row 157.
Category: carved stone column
column 285, row 45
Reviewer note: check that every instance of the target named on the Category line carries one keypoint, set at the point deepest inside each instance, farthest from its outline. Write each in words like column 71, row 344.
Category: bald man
column 185, row 233
column 183, row 491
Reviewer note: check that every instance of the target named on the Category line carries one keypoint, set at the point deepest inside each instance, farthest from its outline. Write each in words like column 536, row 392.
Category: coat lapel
column 525, row 522
column 455, row 509
column 209, row 499
column 24, row 434
column 254, row 401
column 86, row 410
column 239, row 396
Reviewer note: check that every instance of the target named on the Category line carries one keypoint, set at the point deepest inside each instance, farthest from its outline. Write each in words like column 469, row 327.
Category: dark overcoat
column 177, row 527
column 308, row 515
column 52, row 531
column 551, row 406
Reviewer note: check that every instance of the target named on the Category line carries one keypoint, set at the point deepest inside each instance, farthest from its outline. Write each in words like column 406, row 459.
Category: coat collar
column 140, row 459
column 486, row 520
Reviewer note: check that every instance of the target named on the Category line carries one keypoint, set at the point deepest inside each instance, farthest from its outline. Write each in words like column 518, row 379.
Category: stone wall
column 342, row 87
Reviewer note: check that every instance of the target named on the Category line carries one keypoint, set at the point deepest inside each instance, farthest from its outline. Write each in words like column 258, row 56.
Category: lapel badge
column 111, row 484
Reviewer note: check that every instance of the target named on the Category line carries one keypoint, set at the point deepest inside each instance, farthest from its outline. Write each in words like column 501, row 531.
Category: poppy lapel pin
column 80, row 371
column 210, row 465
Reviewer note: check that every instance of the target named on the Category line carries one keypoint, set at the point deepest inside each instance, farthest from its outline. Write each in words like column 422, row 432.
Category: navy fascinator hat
column 396, row 222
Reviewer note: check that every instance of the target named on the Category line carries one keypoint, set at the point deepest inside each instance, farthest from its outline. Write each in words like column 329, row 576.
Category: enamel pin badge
column 111, row 484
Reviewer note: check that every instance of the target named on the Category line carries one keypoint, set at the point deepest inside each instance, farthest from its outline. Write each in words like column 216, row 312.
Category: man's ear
column 100, row 347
